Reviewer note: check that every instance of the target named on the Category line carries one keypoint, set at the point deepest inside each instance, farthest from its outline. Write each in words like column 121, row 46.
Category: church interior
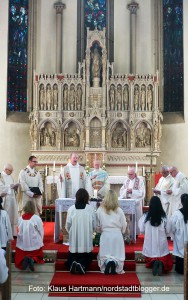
column 104, row 79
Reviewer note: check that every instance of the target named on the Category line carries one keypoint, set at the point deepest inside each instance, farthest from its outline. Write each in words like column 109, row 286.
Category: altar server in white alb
column 3, row 267
column 30, row 178
column 111, row 223
column 10, row 203
column 179, row 223
column 134, row 188
column 165, row 183
column 5, row 227
column 179, row 187
column 30, row 239
column 99, row 179
column 156, row 228
column 72, row 178
column 80, row 224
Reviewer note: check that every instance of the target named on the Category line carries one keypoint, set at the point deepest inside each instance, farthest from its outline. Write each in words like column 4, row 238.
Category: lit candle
column 128, row 168
column 95, row 156
column 46, row 172
column 54, row 166
column 95, row 194
column 61, row 170
column 136, row 167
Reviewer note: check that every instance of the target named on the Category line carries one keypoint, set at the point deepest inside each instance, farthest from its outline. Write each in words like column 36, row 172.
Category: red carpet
column 94, row 284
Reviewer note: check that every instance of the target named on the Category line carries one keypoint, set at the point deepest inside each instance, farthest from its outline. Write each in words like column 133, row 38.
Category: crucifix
column 151, row 160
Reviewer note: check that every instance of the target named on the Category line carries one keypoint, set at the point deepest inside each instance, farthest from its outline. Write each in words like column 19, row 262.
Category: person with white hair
column 179, row 187
column 134, row 188
column 9, row 190
column 99, row 179
column 73, row 177
column 164, row 184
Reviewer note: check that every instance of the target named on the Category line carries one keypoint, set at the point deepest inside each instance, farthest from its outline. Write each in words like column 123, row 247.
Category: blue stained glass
column 17, row 55
column 173, row 55
column 95, row 14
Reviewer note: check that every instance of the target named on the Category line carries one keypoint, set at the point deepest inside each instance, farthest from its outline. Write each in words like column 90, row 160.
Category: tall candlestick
column 136, row 167
column 143, row 171
column 103, row 156
column 54, row 166
column 46, row 171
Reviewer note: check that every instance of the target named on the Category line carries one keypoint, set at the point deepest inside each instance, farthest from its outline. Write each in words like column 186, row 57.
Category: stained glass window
column 173, row 55
column 17, row 55
column 95, row 14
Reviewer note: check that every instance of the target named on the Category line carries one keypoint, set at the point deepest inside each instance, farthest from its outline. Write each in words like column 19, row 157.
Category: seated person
column 30, row 239
column 99, row 179
column 80, row 224
column 156, row 228
column 179, row 223
column 111, row 222
column 5, row 227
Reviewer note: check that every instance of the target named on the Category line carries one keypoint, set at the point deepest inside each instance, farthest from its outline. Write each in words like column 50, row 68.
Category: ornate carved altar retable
column 115, row 116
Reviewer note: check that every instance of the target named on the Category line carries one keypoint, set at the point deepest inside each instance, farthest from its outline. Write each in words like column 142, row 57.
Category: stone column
column 132, row 7
column 59, row 44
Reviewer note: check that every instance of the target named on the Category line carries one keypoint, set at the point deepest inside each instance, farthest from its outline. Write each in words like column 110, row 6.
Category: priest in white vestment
column 30, row 178
column 179, row 187
column 134, row 188
column 10, row 203
column 72, row 178
column 165, row 183
column 99, row 180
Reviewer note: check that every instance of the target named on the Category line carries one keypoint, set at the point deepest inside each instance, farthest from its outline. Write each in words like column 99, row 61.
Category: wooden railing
column 5, row 288
column 186, row 270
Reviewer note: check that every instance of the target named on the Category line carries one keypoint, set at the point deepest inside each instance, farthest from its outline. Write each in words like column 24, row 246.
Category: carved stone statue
column 49, row 97
column 72, row 138
column 72, row 98
column 79, row 97
column 48, row 135
column 149, row 98
column 136, row 98
column 34, row 134
column 125, row 98
column 119, row 98
column 53, row 138
column 55, row 96
column 143, row 98
column 42, row 97
column 112, row 97
column 140, row 135
column 119, row 136
column 65, row 97
column 96, row 65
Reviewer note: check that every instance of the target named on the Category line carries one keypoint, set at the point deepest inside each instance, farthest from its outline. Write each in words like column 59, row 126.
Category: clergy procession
column 165, row 218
